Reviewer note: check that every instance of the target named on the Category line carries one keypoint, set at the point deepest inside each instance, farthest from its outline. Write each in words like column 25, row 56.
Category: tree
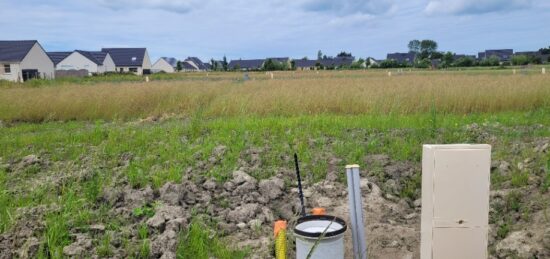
column 179, row 66
column 427, row 49
column 343, row 54
column 319, row 55
column 464, row 62
column 428, row 46
column 213, row 64
column 520, row 60
column 490, row 61
column 447, row 59
column 545, row 51
column 358, row 64
column 224, row 63
column 414, row 46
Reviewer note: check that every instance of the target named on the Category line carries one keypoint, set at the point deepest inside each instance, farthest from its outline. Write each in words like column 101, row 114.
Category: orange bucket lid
column 318, row 211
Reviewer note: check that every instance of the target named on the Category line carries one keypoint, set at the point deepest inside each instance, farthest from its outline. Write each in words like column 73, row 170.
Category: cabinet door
column 459, row 243
column 461, row 188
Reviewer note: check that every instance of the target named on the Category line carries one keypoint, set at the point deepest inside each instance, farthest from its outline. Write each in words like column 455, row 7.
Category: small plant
column 513, row 201
column 503, row 230
column 520, row 179
column 104, row 249
column 146, row 210
column 199, row 242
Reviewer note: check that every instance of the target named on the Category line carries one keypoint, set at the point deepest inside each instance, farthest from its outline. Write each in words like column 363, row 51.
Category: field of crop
column 88, row 167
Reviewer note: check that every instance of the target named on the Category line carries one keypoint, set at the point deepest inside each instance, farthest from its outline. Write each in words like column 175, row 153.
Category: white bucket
column 310, row 228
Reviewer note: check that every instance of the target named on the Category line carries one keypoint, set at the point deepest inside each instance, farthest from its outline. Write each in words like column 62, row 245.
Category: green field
column 93, row 135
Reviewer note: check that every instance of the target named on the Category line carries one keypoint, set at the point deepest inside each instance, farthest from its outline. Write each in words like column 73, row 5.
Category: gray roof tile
column 15, row 50
column 126, row 57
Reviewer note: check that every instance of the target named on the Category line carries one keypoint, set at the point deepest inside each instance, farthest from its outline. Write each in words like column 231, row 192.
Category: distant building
column 133, row 60
column 337, row 62
column 187, row 67
column 246, row 64
column 24, row 60
column 501, row 54
column 95, row 62
column 402, row 58
column 459, row 56
column 196, row 63
column 371, row 61
column 304, row 64
column 165, row 64
column 57, row 57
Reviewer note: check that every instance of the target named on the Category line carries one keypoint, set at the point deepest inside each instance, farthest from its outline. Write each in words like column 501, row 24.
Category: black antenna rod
column 300, row 184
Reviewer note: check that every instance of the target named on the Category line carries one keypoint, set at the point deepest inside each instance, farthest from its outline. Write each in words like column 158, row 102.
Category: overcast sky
column 269, row 28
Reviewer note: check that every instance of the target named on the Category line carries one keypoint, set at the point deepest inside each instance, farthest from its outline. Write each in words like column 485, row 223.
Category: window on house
column 133, row 69
column 121, row 69
column 7, row 68
column 134, row 59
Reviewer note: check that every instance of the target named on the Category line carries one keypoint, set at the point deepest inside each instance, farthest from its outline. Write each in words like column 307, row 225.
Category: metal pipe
column 300, row 184
column 356, row 212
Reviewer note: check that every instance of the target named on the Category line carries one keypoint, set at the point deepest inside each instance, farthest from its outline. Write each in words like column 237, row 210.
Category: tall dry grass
column 288, row 94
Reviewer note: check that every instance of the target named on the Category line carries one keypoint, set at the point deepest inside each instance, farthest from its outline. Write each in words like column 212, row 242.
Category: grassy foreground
column 163, row 150
column 289, row 94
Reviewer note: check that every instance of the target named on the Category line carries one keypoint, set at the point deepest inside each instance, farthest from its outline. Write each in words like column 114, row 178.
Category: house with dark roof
column 57, row 57
column 196, row 63
column 402, row 58
column 95, row 62
column 246, row 64
column 133, row 60
column 24, row 60
column 305, row 64
column 165, row 64
column 372, row 62
column 187, row 67
column 337, row 62
column 501, row 54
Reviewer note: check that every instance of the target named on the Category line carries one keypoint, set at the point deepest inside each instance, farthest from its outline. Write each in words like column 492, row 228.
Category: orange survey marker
column 279, row 225
column 279, row 231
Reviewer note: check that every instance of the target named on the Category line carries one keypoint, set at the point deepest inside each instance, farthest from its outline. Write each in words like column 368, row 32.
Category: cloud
column 178, row 6
column 345, row 7
column 460, row 7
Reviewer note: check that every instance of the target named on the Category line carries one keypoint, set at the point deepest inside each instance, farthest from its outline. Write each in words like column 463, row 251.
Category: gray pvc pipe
column 356, row 212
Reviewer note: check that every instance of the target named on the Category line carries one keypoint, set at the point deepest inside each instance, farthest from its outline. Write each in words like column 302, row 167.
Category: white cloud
column 435, row 7
column 180, row 6
column 344, row 7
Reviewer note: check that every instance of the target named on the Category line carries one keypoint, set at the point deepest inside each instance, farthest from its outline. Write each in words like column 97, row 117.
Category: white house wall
column 108, row 64
column 146, row 61
column 15, row 73
column 77, row 61
column 162, row 65
column 38, row 59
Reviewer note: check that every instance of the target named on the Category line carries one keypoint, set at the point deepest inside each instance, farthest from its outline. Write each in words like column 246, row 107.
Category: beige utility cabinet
column 455, row 201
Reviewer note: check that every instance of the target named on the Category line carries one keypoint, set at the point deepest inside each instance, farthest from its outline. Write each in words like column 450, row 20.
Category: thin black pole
column 300, row 184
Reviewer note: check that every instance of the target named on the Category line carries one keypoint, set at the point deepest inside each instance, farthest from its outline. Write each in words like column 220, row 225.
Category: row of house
column 170, row 65
column 299, row 64
column 502, row 54
column 27, row 59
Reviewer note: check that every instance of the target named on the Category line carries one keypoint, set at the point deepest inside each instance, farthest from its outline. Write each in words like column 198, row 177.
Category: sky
column 277, row 28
